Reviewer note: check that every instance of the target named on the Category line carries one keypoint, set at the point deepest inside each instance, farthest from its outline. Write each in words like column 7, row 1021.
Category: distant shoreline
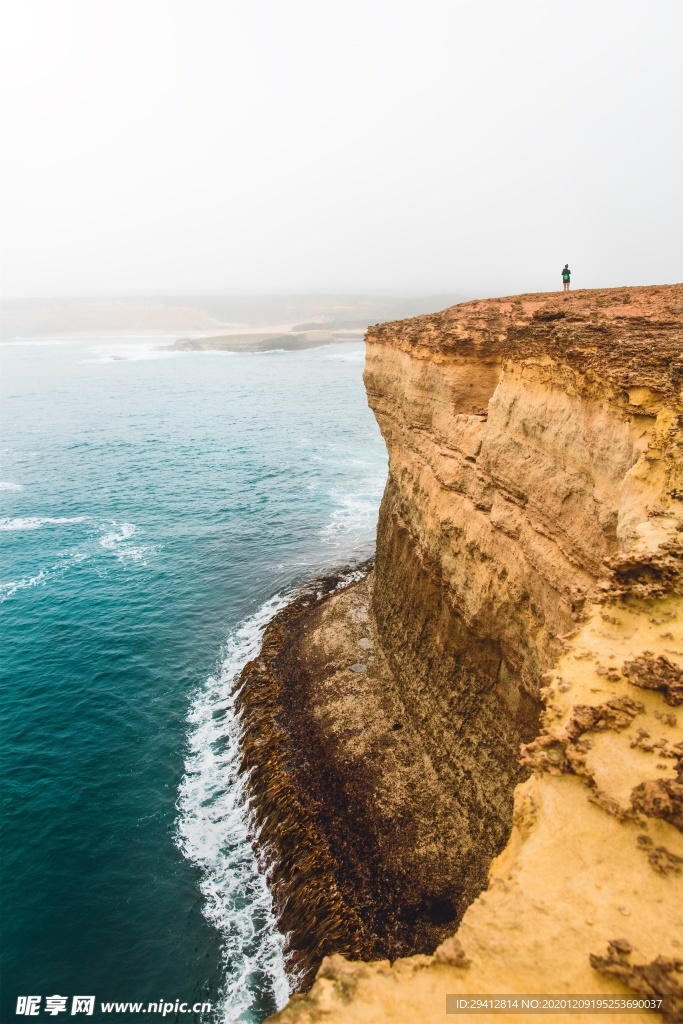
column 163, row 334
column 264, row 342
column 186, row 316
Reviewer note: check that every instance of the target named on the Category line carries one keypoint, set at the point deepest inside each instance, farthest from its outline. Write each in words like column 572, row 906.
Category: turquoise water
column 156, row 508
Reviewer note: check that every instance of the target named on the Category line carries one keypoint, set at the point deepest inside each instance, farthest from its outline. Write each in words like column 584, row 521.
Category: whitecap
column 134, row 357
column 121, row 351
column 7, row 590
column 116, row 539
column 119, row 533
column 37, row 522
column 5, row 485
column 214, row 830
column 347, row 357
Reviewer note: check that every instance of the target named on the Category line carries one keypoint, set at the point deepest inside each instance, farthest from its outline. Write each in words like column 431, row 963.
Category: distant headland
column 288, row 342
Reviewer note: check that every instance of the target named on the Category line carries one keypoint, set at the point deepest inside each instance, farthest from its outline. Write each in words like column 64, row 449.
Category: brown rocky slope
column 525, row 615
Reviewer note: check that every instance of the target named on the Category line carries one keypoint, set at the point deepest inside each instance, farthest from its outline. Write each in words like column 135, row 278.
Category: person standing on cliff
column 566, row 274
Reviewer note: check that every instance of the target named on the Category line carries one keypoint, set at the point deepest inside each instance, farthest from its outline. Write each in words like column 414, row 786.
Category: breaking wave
column 352, row 522
column 213, row 833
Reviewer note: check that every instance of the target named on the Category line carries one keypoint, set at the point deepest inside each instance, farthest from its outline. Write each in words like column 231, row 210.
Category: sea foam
column 7, row 590
column 214, row 833
column 116, row 539
column 37, row 522
column 40, row 578
column 352, row 521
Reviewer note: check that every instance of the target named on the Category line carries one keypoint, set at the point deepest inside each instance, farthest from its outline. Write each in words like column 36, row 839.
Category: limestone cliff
column 524, row 615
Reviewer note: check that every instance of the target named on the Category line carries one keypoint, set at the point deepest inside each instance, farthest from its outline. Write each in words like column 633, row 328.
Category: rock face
column 525, row 615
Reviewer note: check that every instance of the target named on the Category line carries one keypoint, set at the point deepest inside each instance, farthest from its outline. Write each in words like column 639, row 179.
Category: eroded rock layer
column 529, row 556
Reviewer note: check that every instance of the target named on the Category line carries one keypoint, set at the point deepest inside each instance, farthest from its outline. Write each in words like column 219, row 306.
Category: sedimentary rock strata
column 512, row 758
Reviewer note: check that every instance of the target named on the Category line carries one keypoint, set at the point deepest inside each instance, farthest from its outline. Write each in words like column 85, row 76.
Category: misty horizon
column 470, row 148
column 184, row 314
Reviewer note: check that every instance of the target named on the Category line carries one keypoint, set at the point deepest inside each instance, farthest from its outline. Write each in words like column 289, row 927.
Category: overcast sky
column 339, row 145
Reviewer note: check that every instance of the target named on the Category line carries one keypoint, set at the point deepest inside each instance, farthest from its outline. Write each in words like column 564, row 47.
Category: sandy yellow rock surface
column 527, row 601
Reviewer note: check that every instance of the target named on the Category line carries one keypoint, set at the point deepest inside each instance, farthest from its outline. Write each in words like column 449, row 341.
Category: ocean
column 157, row 508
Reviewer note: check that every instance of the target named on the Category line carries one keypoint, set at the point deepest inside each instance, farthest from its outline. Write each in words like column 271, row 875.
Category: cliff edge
column 482, row 734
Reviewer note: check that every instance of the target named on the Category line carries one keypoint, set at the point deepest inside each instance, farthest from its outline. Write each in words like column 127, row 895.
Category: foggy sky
column 339, row 145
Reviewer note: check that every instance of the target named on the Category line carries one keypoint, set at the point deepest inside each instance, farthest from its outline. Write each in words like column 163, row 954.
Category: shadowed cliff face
column 513, row 474
column 529, row 556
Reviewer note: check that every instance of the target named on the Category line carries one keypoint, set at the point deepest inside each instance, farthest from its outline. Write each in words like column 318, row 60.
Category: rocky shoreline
column 300, row 866
column 358, row 818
